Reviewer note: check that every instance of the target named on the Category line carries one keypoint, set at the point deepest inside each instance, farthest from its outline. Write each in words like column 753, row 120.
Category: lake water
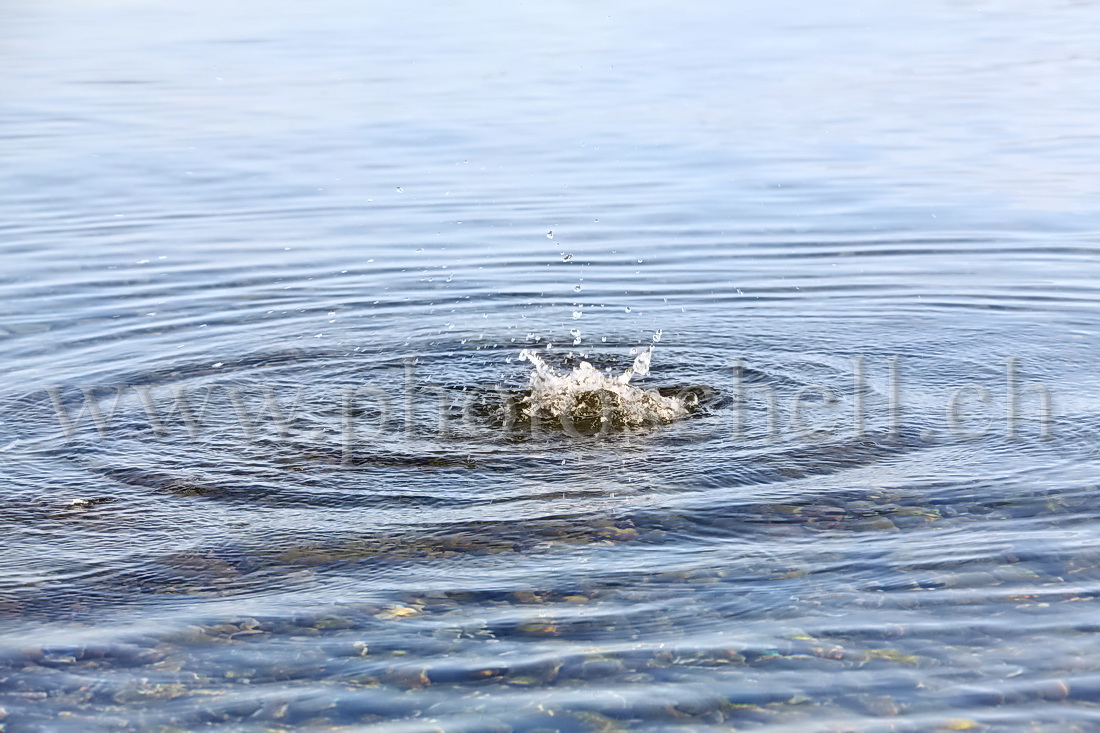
column 292, row 253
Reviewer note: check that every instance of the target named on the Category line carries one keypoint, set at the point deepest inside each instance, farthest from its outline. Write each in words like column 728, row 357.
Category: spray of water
column 587, row 397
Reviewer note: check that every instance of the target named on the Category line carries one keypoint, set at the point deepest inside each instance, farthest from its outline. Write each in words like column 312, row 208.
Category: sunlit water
column 294, row 253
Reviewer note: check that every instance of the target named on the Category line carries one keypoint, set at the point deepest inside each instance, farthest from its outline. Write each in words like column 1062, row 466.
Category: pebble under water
column 550, row 368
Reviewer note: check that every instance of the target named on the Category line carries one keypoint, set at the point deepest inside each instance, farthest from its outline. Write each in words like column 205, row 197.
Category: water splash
column 589, row 399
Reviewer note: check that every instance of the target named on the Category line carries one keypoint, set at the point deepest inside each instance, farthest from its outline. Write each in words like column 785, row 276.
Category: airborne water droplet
column 566, row 257
column 576, row 288
column 576, row 315
column 657, row 335
column 550, row 234
column 627, row 309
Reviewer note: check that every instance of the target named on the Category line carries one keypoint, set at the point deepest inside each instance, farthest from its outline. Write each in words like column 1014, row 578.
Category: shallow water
column 294, row 253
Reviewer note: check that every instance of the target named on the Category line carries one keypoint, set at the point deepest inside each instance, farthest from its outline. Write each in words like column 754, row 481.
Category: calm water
column 292, row 252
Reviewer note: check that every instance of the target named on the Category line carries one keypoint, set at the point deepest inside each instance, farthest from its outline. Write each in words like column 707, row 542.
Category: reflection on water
column 274, row 458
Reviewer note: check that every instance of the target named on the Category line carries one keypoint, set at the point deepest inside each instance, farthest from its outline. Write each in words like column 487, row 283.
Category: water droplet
column 627, row 309
column 657, row 335
column 566, row 257
column 576, row 315
column 550, row 234
column 400, row 190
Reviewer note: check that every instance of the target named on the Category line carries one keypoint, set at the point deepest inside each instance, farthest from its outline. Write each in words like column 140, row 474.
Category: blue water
column 292, row 253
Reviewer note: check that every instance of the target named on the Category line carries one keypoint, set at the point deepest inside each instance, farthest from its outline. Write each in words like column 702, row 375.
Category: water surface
column 294, row 252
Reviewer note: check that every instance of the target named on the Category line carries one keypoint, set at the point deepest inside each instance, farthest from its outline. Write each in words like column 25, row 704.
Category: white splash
column 588, row 395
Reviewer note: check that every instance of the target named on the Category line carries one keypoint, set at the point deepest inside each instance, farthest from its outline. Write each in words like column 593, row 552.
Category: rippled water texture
column 272, row 460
